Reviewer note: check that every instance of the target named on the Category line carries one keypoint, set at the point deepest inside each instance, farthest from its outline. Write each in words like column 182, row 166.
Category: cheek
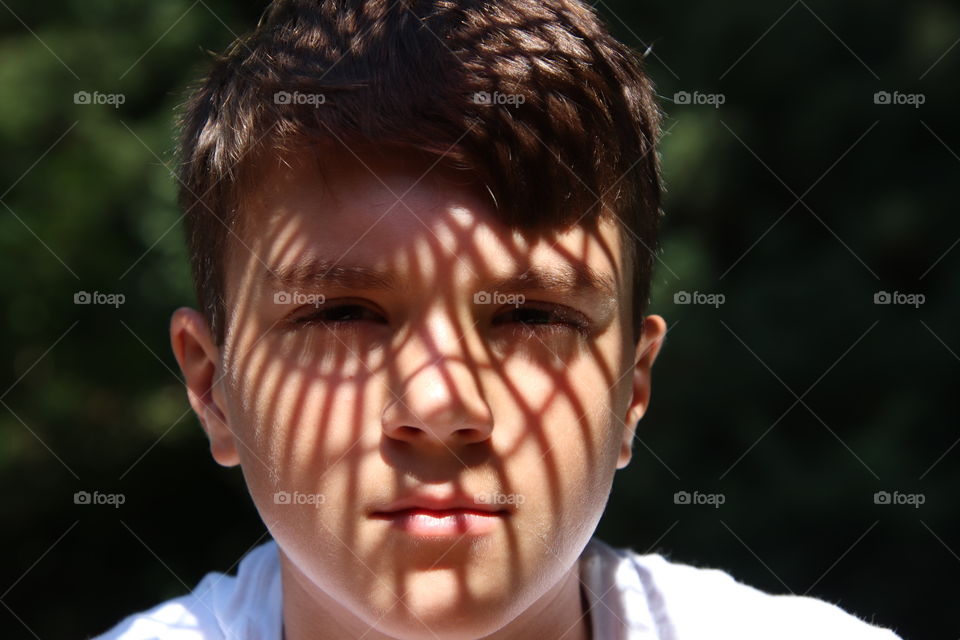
column 304, row 430
column 575, row 397
column 558, row 434
column 317, row 449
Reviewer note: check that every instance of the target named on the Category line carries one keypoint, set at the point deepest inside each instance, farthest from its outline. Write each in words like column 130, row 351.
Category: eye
column 543, row 319
column 336, row 316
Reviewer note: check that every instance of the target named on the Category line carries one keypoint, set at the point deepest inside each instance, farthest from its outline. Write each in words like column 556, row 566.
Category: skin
column 418, row 389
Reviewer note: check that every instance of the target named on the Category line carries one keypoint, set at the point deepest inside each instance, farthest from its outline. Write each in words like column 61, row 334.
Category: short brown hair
column 534, row 97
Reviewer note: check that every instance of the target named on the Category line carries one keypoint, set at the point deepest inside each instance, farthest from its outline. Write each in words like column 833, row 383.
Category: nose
column 436, row 392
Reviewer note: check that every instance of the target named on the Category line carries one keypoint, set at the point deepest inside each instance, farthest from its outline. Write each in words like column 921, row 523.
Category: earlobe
column 199, row 357
column 223, row 446
column 648, row 347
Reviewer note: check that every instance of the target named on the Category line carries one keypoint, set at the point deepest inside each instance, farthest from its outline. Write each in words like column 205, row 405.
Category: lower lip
column 452, row 523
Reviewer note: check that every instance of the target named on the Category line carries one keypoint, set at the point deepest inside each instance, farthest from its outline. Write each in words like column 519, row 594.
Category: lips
column 435, row 503
column 433, row 516
column 444, row 523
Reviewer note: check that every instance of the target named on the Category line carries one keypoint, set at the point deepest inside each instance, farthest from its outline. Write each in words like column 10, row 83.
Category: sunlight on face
column 389, row 339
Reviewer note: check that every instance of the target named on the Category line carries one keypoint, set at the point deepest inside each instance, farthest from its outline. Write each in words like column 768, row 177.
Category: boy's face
column 383, row 351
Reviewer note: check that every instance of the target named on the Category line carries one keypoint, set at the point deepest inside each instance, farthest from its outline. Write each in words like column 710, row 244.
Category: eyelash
column 569, row 320
column 566, row 320
column 317, row 318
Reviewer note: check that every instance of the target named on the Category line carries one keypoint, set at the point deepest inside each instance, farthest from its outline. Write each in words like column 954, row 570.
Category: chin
column 424, row 618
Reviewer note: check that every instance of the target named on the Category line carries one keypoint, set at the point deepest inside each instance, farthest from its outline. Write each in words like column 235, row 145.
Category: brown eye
column 550, row 319
column 338, row 316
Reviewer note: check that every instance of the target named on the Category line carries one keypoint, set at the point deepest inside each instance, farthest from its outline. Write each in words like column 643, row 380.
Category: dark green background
column 91, row 400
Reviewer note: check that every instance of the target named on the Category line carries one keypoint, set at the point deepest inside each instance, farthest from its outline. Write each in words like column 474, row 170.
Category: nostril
column 469, row 434
column 408, row 432
column 413, row 434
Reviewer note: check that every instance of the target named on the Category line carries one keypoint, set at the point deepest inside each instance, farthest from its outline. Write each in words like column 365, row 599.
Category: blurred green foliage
column 798, row 199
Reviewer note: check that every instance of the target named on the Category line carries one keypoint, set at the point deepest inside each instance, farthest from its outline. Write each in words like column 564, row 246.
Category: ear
column 654, row 330
column 199, row 360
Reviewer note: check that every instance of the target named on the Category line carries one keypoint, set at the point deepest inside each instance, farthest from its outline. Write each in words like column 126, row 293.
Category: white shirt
column 631, row 597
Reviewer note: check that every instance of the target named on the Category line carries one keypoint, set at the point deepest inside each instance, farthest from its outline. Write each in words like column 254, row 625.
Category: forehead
column 396, row 211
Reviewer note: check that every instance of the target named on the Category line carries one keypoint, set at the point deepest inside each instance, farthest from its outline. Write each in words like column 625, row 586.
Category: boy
column 422, row 235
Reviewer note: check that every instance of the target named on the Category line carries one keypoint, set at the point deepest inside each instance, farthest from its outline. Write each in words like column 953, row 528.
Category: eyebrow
column 568, row 279
column 319, row 273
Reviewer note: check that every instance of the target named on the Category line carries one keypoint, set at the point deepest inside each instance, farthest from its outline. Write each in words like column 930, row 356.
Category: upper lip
column 434, row 502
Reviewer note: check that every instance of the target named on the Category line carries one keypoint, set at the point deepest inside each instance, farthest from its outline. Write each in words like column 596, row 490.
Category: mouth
column 442, row 523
